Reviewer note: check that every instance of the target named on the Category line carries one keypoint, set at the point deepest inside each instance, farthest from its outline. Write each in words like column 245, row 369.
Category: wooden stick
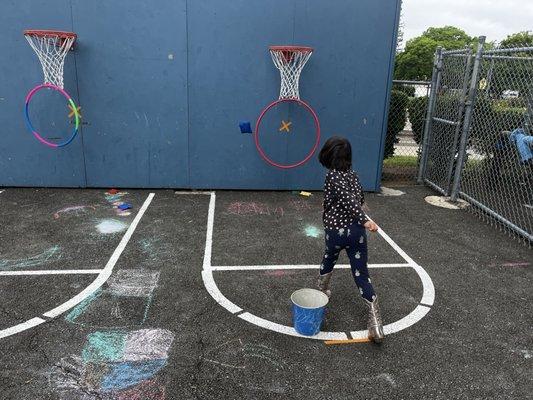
column 347, row 341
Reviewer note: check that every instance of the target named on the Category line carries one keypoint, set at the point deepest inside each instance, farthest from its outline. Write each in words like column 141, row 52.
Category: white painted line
column 287, row 330
column 428, row 294
column 410, row 319
column 209, row 233
column 212, row 288
column 398, row 249
column 292, row 266
column 207, row 273
column 52, row 272
column 108, row 269
column 191, row 192
column 21, row 327
column 416, row 315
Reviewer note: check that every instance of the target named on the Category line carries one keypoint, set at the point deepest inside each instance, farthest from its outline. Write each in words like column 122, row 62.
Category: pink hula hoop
column 317, row 136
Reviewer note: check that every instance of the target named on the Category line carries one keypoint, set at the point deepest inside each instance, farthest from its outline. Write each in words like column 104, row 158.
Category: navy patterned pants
column 353, row 239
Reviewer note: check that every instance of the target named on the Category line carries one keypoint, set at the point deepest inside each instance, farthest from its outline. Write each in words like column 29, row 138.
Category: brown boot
column 323, row 283
column 374, row 324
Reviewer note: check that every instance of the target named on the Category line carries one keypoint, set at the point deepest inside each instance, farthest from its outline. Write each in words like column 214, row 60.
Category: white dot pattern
column 343, row 199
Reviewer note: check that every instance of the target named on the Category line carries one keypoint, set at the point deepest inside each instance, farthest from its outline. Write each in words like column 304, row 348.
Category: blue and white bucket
column 308, row 310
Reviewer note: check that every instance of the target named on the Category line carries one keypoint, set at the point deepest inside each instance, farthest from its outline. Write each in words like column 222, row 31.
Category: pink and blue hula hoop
column 72, row 105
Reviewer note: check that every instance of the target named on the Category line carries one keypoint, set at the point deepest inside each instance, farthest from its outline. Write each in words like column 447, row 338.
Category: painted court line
column 428, row 296
column 263, row 323
column 52, row 272
column 292, row 266
column 108, row 269
column 191, row 192
column 21, row 327
column 103, row 275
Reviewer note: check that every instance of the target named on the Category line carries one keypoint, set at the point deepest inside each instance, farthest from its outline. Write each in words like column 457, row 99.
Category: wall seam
column 377, row 182
column 79, row 100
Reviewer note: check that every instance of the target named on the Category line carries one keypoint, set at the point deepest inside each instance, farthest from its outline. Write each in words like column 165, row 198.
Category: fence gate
column 478, row 137
column 451, row 78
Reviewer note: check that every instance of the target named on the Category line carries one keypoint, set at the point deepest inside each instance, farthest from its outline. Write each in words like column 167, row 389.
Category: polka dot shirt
column 343, row 199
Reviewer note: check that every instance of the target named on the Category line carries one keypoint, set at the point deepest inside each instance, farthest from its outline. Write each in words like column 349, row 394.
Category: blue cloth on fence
column 523, row 143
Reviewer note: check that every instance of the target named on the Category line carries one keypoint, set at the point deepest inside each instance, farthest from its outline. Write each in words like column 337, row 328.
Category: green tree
column 416, row 61
column 513, row 74
column 520, row 39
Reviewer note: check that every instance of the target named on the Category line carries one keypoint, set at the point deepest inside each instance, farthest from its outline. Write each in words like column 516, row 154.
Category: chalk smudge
column 246, row 350
column 388, row 192
column 126, row 299
column 526, row 353
column 149, row 389
column 300, row 205
column 253, row 208
column 133, row 282
column 115, row 199
column 512, row 264
column 279, row 272
column 75, row 209
column 112, row 197
column 115, row 365
column 312, row 231
column 47, row 256
column 129, row 357
column 111, row 226
column 82, row 307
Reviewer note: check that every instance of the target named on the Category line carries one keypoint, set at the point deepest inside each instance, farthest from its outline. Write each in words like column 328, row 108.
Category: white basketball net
column 51, row 51
column 290, row 64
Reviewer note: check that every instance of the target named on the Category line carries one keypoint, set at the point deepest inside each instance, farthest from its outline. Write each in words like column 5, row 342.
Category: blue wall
column 163, row 86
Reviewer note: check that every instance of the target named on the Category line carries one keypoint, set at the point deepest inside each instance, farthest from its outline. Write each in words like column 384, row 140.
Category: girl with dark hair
column 344, row 225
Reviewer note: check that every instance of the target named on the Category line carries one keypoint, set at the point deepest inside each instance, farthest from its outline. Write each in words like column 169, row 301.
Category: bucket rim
column 322, row 294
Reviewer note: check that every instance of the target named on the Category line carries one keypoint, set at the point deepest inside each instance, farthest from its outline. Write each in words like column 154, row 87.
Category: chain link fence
column 407, row 112
column 478, row 137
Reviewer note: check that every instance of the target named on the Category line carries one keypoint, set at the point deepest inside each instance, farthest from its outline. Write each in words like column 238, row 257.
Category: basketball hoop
column 290, row 61
column 52, row 48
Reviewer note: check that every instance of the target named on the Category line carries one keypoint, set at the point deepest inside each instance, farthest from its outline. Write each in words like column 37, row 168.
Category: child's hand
column 371, row 226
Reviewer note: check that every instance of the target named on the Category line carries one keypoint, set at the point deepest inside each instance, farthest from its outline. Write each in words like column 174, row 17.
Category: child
column 344, row 225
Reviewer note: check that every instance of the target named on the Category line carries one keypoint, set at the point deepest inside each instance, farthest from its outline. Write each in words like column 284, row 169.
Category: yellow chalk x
column 306, row 194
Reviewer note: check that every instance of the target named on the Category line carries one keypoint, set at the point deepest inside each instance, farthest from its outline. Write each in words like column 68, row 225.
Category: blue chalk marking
column 125, row 206
column 246, row 127
column 104, row 346
column 50, row 255
column 82, row 307
column 312, row 231
column 126, row 374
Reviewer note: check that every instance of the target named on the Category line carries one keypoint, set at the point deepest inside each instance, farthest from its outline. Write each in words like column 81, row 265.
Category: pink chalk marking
column 253, row 208
column 279, row 273
column 300, row 205
column 150, row 389
column 70, row 209
column 512, row 264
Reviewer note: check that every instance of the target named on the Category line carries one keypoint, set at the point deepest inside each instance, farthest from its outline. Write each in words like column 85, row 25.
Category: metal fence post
column 435, row 82
column 469, row 108
column 460, row 111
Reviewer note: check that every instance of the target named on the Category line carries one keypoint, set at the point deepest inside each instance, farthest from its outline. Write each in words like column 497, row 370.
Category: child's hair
column 336, row 154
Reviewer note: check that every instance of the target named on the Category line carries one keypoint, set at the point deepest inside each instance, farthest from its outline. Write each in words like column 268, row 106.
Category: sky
column 493, row 18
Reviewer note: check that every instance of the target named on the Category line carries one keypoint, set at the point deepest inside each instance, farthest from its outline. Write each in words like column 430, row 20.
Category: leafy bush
column 490, row 119
column 409, row 90
column 397, row 120
column 417, row 115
